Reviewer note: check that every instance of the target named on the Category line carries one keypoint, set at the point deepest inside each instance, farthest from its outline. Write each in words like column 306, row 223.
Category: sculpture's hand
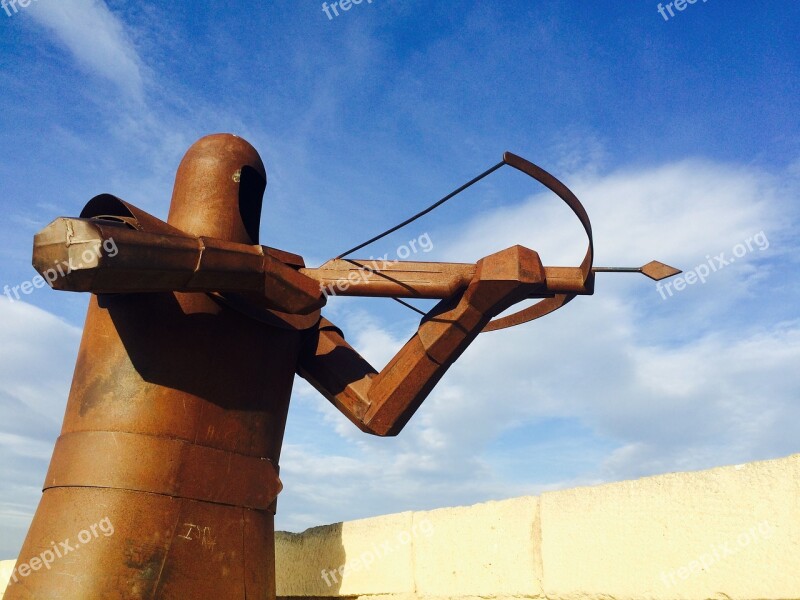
column 505, row 278
column 287, row 290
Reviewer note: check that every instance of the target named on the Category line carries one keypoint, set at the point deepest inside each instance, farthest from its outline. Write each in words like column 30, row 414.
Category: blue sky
column 680, row 136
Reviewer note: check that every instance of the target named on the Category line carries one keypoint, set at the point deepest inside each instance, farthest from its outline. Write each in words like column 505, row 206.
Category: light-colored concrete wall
column 6, row 567
column 727, row 533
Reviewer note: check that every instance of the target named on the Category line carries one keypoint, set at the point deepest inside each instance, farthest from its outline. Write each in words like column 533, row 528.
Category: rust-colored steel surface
column 175, row 418
column 173, row 428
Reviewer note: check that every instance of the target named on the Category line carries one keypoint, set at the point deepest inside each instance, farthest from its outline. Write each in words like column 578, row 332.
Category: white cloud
column 635, row 400
column 680, row 212
column 96, row 37
column 37, row 357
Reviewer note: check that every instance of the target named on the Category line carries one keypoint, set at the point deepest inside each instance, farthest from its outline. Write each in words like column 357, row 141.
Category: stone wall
column 726, row 533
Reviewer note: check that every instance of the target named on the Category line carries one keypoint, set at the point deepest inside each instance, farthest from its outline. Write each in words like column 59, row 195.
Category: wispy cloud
column 96, row 37
column 635, row 385
column 37, row 357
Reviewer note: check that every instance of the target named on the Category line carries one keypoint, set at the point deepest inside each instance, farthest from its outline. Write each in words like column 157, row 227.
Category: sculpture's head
column 218, row 190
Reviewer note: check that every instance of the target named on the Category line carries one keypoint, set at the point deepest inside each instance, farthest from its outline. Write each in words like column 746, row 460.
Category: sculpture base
column 116, row 544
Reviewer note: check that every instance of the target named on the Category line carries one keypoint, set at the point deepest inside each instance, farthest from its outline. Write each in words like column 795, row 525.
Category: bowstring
column 419, row 215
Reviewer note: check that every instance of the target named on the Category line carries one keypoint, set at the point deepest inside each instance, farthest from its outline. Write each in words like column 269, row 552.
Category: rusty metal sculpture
column 175, row 419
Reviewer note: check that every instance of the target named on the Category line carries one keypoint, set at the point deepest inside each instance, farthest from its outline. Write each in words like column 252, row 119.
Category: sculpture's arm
column 125, row 250
column 382, row 403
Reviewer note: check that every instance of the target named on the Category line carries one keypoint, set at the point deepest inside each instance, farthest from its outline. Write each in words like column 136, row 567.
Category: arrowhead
column 658, row 271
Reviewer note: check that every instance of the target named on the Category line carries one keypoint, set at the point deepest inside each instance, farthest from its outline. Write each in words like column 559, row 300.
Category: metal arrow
column 654, row 270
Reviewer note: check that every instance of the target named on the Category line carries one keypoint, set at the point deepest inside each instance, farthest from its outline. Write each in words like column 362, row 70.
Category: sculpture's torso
column 159, row 375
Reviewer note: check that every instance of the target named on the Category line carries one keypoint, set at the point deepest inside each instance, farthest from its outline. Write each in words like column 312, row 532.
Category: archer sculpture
column 194, row 333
